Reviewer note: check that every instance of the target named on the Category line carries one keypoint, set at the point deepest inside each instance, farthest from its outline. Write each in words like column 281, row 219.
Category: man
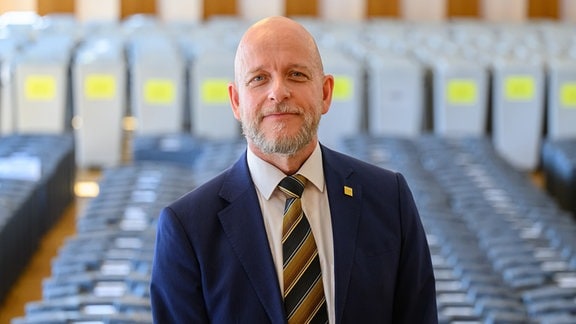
column 219, row 253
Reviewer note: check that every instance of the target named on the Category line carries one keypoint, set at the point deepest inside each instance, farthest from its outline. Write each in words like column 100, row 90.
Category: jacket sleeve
column 175, row 289
column 415, row 300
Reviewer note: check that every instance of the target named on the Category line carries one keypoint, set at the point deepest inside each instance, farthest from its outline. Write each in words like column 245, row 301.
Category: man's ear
column 327, row 90
column 234, row 99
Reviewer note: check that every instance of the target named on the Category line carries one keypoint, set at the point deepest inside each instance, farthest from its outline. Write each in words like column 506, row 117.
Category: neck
column 287, row 163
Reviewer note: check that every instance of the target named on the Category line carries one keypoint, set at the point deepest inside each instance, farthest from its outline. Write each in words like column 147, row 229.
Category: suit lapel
column 243, row 224
column 345, row 197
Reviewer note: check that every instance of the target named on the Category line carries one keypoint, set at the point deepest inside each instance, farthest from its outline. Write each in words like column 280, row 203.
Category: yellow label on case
column 159, row 91
column 40, row 87
column 461, row 92
column 343, row 87
column 519, row 87
column 100, row 86
column 568, row 95
column 215, row 91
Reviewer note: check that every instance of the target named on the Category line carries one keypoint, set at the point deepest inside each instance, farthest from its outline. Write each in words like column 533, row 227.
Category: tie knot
column 293, row 186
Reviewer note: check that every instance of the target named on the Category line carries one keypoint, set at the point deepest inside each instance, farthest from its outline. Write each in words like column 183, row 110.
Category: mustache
column 281, row 108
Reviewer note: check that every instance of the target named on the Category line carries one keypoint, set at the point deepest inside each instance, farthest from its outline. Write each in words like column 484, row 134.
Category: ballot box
column 395, row 91
column 518, row 110
column 347, row 111
column 460, row 97
column 42, row 86
column 157, row 84
column 211, row 113
column 9, row 48
column 561, row 98
column 100, row 99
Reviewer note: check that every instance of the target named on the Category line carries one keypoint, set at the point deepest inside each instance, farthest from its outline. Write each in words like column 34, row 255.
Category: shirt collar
column 266, row 176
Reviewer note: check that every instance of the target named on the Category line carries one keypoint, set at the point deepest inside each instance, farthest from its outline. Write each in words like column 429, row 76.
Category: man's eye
column 258, row 78
column 298, row 75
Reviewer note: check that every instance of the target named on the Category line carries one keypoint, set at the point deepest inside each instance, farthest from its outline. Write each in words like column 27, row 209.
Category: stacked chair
column 37, row 175
column 559, row 168
column 205, row 157
column 502, row 250
column 103, row 273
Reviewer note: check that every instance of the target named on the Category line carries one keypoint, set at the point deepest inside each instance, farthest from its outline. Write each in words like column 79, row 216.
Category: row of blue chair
column 559, row 168
column 36, row 186
column 103, row 272
column 503, row 251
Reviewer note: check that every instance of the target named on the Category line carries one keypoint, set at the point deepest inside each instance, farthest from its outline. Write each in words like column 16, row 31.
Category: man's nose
column 279, row 91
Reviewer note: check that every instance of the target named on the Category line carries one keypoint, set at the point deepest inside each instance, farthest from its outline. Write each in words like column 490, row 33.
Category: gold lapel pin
column 348, row 191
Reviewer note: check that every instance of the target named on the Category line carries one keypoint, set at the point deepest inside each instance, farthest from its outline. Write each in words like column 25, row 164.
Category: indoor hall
column 111, row 109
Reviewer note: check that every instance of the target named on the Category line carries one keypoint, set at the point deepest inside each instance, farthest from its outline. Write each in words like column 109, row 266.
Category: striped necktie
column 304, row 298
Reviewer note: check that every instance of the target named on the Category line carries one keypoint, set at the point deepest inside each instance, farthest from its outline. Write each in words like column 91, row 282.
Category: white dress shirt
column 314, row 204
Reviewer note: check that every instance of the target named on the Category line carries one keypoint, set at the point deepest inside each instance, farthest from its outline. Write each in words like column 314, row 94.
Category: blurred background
column 111, row 109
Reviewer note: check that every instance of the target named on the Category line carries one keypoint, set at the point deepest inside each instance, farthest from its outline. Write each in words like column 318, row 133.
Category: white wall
column 423, row 10
column 92, row 10
column 350, row 10
column 507, row 11
column 180, row 10
column 258, row 9
column 18, row 5
column 567, row 10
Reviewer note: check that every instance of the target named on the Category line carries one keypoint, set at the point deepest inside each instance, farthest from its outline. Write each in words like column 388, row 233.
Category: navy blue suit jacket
column 213, row 262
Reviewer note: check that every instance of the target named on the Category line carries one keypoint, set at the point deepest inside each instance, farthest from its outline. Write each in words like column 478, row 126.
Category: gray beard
column 281, row 145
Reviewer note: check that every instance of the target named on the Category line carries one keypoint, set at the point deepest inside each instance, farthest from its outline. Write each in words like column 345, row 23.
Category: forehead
column 268, row 49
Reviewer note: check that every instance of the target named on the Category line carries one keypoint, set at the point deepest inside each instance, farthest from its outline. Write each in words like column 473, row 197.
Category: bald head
column 275, row 34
